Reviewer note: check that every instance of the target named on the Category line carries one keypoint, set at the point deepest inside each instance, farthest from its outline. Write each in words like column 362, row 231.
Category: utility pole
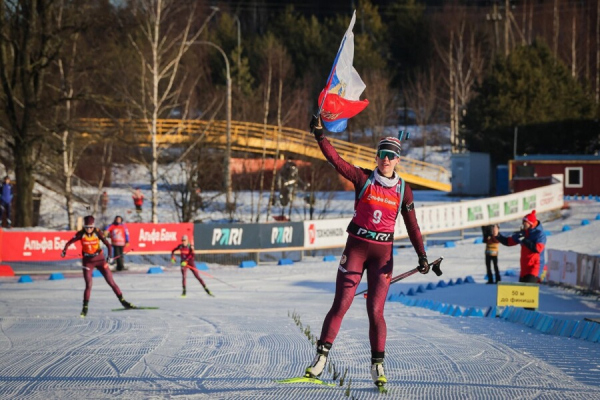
column 555, row 31
column 506, row 27
column 598, row 54
column 495, row 17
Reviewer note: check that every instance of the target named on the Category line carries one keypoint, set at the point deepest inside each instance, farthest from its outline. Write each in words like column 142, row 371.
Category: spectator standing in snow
column 138, row 201
column 533, row 241
column 119, row 238
column 5, row 201
column 491, row 252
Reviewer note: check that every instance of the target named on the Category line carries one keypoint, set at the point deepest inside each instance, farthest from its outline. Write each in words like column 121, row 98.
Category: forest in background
column 482, row 68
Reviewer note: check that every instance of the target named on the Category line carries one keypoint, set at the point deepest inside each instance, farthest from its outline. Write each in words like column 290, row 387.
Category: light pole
column 239, row 45
column 227, row 177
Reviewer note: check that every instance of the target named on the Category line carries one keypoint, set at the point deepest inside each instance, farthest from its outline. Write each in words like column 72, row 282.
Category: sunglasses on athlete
column 386, row 153
column 88, row 227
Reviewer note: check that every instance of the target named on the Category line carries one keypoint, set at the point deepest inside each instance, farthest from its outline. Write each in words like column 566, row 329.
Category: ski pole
column 435, row 266
column 121, row 255
column 210, row 276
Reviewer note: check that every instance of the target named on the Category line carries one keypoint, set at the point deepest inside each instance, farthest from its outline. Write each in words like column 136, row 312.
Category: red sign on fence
column 158, row 238
column 47, row 246
column 36, row 246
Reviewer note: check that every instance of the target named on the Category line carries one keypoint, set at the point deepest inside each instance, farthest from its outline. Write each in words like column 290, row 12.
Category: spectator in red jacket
column 119, row 238
column 138, row 200
column 533, row 242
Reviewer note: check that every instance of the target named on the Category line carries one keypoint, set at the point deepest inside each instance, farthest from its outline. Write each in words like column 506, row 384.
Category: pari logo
column 282, row 234
column 380, row 237
column 227, row 236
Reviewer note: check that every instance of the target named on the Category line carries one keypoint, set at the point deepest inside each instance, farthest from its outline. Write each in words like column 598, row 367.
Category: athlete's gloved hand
column 317, row 128
column 172, row 261
column 110, row 260
column 423, row 264
column 183, row 264
column 64, row 253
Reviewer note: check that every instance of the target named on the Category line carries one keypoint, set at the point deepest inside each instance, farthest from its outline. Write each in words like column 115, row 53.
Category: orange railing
column 251, row 137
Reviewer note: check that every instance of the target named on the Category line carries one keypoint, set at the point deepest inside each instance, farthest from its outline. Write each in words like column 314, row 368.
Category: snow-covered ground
column 235, row 345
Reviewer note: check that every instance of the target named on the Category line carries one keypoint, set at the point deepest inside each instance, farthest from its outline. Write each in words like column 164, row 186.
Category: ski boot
column 125, row 303
column 318, row 365
column 183, row 293
column 84, row 310
column 208, row 292
column 378, row 375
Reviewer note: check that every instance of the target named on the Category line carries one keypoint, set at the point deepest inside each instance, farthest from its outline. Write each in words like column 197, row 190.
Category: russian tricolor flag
column 340, row 98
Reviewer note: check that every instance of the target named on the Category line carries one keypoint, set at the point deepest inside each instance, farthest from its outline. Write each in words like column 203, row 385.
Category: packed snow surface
column 235, row 345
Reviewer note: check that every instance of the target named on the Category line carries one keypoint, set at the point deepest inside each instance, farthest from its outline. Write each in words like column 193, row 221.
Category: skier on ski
column 92, row 257
column 380, row 196
column 186, row 251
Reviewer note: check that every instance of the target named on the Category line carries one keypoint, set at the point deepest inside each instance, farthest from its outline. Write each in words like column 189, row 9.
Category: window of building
column 574, row 177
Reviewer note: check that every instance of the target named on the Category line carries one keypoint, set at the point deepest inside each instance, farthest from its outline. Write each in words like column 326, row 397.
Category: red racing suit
column 187, row 256
column 92, row 257
column 369, row 247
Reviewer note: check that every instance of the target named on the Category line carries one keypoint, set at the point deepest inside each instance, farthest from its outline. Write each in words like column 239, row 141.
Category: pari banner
column 248, row 236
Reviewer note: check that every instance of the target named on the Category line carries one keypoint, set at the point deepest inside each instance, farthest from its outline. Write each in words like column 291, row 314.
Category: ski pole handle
column 435, row 266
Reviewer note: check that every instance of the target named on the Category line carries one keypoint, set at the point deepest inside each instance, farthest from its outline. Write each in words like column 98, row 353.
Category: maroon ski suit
column 362, row 254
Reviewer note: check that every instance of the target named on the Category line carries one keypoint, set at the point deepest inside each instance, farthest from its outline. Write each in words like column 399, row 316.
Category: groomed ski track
column 235, row 345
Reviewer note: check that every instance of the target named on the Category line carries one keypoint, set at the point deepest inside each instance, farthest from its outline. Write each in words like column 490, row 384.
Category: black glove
column 317, row 128
column 423, row 264
column 64, row 253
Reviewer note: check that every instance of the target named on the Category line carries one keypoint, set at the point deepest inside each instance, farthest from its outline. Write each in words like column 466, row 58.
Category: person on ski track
column 119, row 238
column 380, row 196
column 533, row 241
column 186, row 251
column 92, row 257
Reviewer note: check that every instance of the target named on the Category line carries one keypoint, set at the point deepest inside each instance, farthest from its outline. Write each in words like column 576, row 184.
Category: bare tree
column 383, row 101
column 29, row 43
column 162, row 41
column 422, row 96
column 464, row 59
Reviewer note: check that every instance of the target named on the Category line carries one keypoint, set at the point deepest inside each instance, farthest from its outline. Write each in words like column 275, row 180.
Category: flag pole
column 328, row 84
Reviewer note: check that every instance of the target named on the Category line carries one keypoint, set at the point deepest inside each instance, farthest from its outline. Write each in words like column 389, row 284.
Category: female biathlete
column 92, row 257
column 187, row 262
column 380, row 196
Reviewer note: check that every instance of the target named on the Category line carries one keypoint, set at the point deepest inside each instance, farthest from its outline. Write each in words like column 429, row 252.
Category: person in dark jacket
column 6, row 196
column 491, row 252
column 533, row 242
